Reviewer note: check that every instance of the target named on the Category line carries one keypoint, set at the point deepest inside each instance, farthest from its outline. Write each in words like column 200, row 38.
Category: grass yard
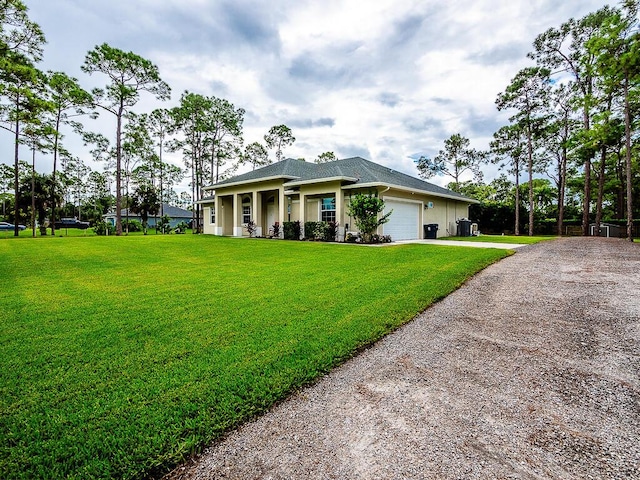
column 120, row 356
column 521, row 239
column 71, row 232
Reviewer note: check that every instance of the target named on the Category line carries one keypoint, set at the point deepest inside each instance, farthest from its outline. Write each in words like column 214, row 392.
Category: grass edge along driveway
column 119, row 356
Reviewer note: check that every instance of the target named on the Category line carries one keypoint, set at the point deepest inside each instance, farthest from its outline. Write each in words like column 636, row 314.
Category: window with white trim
column 213, row 215
column 328, row 209
column 246, row 210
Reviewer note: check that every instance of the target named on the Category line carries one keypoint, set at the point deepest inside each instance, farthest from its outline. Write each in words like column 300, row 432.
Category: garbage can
column 464, row 227
column 431, row 230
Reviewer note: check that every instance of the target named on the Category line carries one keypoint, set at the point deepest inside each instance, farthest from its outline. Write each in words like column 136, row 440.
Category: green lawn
column 119, row 356
column 521, row 239
column 69, row 232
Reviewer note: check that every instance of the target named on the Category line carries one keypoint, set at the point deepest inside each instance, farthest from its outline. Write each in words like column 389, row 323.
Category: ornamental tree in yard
column 365, row 209
column 129, row 75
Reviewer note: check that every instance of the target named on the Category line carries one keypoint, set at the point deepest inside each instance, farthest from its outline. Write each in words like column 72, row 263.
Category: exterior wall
column 207, row 226
column 445, row 213
column 311, row 196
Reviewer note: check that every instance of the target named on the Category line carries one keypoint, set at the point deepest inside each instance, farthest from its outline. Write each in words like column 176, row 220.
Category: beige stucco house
column 293, row 190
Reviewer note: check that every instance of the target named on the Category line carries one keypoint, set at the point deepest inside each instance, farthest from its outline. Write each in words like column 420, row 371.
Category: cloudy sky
column 388, row 80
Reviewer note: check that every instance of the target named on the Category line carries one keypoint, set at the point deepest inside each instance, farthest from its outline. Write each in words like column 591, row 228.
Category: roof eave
column 246, row 182
column 297, row 183
column 409, row 189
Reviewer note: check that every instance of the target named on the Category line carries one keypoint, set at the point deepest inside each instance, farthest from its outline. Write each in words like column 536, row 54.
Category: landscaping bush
column 291, row 230
column 375, row 238
column 252, row 228
column 275, row 228
column 324, row 231
column 104, row 228
column 331, row 232
column 181, row 227
column 311, row 230
column 131, row 225
column 164, row 225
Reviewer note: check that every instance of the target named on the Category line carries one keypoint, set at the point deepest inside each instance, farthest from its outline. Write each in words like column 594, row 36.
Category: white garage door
column 404, row 222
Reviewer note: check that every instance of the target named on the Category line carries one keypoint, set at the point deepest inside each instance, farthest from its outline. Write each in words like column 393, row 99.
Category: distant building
column 177, row 215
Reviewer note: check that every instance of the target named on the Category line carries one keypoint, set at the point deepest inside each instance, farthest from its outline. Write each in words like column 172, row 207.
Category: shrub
column 331, row 233
column 325, row 231
column 365, row 209
column 310, row 229
column 164, row 225
column 275, row 228
column 291, row 230
column 252, row 228
column 181, row 227
column 103, row 228
column 375, row 238
column 131, row 225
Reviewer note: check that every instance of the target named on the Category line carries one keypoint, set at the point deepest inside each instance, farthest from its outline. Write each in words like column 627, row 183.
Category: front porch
column 229, row 213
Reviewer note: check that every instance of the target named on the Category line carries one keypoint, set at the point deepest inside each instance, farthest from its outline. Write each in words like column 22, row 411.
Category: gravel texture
column 530, row 370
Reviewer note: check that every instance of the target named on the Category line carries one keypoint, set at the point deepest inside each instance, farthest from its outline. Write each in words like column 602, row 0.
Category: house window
column 213, row 215
column 328, row 210
column 246, row 210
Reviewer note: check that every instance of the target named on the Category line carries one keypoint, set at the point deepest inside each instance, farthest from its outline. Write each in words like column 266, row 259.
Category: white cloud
column 385, row 79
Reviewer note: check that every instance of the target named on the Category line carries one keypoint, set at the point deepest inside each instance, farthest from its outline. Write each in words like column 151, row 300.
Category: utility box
column 431, row 230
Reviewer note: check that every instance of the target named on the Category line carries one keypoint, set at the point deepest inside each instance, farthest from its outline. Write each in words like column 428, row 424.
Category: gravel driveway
column 530, row 370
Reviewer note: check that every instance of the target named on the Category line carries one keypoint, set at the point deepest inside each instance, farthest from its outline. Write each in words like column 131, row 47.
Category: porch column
column 218, row 226
column 281, row 209
column 340, row 214
column 303, row 212
column 256, row 212
column 237, row 215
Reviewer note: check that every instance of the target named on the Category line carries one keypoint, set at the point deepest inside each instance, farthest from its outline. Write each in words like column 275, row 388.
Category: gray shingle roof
column 288, row 168
column 365, row 171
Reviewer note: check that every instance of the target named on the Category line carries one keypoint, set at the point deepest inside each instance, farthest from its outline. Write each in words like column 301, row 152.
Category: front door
column 271, row 215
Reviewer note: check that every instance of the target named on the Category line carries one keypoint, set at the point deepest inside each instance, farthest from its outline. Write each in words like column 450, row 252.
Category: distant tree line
column 574, row 121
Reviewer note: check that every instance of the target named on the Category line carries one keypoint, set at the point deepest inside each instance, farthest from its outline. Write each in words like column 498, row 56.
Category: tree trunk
column 53, row 175
column 33, row 191
column 530, row 171
column 517, row 226
column 16, row 180
column 118, row 170
column 627, row 139
column 586, row 201
column 601, row 172
column 562, row 184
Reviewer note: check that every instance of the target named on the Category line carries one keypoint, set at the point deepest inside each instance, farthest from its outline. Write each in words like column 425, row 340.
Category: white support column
column 282, row 210
column 237, row 215
column 219, row 224
column 303, row 212
column 256, row 212
column 340, row 214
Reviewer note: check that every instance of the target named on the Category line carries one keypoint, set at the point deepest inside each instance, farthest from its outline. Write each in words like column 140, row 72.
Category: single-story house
column 177, row 215
column 292, row 190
